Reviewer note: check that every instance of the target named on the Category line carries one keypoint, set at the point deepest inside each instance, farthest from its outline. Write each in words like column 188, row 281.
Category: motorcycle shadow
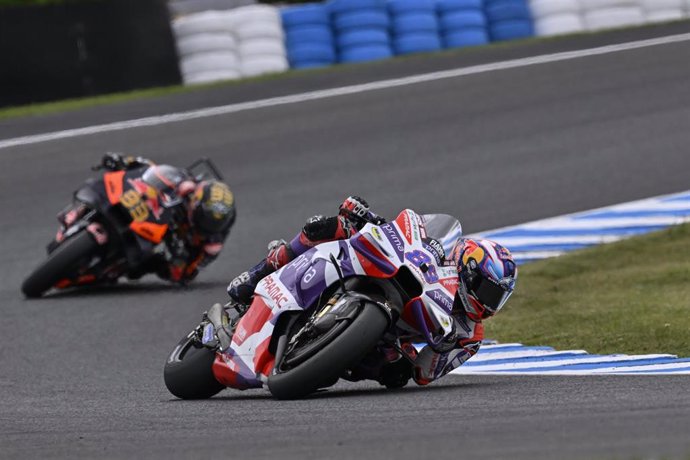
column 138, row 288
column 349, row 391
column 355, row 390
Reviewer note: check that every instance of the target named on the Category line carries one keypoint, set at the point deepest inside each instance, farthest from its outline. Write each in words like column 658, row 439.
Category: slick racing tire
column 60, row 264
column 324, row 367
column 188, row 371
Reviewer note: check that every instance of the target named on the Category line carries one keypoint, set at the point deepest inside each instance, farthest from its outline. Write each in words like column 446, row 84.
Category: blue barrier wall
column 320, row 34
column 362, row 29
column 309, row 37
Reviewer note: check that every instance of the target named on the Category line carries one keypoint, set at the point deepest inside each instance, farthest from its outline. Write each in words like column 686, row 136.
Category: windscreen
column 164, row 178
column 204, row 169
column 444, row 228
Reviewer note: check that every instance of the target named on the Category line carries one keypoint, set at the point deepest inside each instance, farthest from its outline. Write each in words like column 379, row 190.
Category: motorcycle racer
column 486, row 279
column 206, row 214
column 353, row 214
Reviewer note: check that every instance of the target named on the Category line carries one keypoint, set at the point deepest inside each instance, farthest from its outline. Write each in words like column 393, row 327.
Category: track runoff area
column 558, row 235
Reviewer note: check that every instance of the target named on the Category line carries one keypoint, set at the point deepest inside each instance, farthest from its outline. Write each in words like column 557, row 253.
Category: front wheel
column 314, row 368
column 61, row 263
column 188, row 373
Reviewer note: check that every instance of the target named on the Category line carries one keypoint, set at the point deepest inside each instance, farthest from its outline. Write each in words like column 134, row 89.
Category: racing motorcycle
column 313, row 321
column 117, row 225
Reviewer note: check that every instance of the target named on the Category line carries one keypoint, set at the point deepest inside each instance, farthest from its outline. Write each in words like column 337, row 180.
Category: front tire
column 60, row 263
column 188, row 373
column 327, row 364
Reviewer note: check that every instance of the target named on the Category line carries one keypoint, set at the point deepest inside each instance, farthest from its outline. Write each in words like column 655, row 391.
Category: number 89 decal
column 420, row 258
column 137, row 208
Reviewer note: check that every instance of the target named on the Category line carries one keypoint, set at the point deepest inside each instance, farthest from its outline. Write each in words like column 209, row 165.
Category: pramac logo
column 274, row 291
column 405, row 225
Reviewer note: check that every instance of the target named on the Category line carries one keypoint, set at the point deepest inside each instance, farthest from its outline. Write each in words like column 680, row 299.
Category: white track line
column 342, row 91
column 488, row 357
column 582, row 359
column 511, row 241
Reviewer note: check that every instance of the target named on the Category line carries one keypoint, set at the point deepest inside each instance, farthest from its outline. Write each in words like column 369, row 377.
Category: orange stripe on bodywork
column 150, row 231
column 113, row 185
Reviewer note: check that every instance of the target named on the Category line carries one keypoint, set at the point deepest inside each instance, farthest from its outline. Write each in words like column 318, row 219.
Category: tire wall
column 70, row 50
column 240, row 40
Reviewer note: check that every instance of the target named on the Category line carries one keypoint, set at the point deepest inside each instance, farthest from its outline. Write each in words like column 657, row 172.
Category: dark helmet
column 213, row 207
column 486, row 275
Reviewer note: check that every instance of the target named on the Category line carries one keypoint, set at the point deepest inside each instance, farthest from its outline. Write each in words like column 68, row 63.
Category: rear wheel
column 61, row 263
column 319, row 362
column 188, row 373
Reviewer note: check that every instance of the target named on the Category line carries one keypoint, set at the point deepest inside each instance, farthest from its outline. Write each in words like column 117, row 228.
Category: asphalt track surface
column 81, row 372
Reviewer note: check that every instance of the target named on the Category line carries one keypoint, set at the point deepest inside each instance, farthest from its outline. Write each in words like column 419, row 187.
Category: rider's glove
column 279, row 254
column 356, row 210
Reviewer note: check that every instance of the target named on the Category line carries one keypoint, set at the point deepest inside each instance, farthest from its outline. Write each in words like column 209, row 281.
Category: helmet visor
column 492, row 295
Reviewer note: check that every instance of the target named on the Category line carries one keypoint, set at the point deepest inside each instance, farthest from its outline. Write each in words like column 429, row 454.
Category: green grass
column 632, row 296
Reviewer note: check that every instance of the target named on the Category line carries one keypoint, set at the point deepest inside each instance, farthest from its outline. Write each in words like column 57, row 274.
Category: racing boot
column 241, row 289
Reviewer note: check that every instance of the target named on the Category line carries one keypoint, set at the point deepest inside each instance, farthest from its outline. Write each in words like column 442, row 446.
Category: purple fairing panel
column 417, row 307
column 441, row 299
column 305, row 277
column 359, row 243
column 395, row 239
column 297, row 247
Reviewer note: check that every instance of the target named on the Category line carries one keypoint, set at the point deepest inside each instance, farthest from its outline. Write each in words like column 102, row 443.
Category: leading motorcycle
column 119, row 224
column 313, row 321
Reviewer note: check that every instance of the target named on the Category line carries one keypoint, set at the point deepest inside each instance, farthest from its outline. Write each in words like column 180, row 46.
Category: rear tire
column 330, row 362
column 60, row 263
column 188, row 373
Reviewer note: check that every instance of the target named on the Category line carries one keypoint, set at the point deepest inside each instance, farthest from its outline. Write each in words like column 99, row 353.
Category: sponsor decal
column 299, row 263
column 441, row 299
column 274, row 291
column 473, row 252
column 151, row 195
column 420, row 224
column 377, row 234
column 407, row 227
column 309, row 275
column 451, row 284
column 415, row 228
column 435, row 248
column 394, row 239
column 457, row 361
column 441, row 365
column 504, row 254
